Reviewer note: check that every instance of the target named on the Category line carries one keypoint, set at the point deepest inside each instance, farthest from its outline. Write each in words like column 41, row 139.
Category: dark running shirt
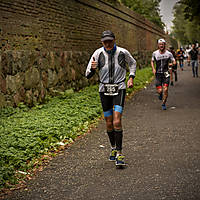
column 162, row 60
column 180, row 54
column 194, row 54
column 173, row 53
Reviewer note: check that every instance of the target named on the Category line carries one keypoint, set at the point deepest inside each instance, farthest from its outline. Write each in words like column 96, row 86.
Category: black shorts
column 108, row 102
column 162, row 80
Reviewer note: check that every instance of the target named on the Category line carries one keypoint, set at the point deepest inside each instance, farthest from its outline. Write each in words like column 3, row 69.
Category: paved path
column 162, row 150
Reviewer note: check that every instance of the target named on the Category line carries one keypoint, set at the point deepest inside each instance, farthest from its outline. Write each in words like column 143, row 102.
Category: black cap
column 107, row 35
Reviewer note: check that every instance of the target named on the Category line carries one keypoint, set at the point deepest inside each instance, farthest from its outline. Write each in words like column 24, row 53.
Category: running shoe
column 120, row 160
column 113, row 155
column 160, row 96
column 164, row 107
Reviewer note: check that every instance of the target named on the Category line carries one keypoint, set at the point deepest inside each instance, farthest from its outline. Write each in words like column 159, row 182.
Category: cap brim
column 107, row 38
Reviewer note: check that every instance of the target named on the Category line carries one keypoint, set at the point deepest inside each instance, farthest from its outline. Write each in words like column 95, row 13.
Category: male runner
column 187, row 55
column 193, row 58
column 162, row 58
column 111, row 63
column 180, row 57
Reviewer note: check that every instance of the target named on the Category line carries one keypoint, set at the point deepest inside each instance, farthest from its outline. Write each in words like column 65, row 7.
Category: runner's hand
column 94, row 64
column 154, row 72
column 130, row 83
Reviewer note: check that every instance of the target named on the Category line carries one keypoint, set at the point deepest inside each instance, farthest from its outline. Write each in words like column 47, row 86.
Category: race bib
column 111, row 89
column 166, row 74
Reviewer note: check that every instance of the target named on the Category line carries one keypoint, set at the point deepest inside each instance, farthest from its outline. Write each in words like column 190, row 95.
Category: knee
column 159, row 90
column 117, row 124
column 109, row 125
column 165, row 89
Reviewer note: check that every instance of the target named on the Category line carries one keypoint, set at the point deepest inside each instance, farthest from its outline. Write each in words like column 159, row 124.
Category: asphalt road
column 161, row 148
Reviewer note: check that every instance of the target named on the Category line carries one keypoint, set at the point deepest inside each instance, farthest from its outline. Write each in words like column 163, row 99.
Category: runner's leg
column 110, row 131
column 171, row 76
column 107, row 105
column 118, row 135
column 165, row 90
column 175, row 74
column 166, row 82
column 181, row 64
column 159, row 86
column 196, row 64
column 117, row 116
column 193, row 66
column 118, row 130
column 160, row 92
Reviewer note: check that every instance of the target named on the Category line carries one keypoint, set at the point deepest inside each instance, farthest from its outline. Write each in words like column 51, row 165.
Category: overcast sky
column 166, row 10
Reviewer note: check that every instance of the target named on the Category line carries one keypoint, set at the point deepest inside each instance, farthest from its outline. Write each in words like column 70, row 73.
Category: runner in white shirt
column 187, row 55
column 162, row 58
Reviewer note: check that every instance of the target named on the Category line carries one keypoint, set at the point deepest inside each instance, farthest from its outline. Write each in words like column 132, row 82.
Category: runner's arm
column 152, row 64
column 131, row 63
column 132, row 67
column 174, row 62
column 172, row 59
column 189, row 57
column 92, row 65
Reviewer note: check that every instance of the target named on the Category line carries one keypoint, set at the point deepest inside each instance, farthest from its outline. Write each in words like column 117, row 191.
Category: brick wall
column 45, row 44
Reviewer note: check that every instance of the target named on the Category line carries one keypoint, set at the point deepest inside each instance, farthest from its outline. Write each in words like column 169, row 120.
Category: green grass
column 26, row 134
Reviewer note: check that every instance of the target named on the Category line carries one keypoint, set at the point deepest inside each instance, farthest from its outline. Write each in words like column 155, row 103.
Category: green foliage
column 143, row 77
column 28, row 133
column 192, row 31
column 186, row 25
column 147, row 8
column 173, row 42
column 179, row 29
column 192, row 10
column 114, row 2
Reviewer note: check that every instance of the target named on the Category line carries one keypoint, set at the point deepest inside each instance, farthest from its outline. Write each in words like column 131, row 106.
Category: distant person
column 161, row 58
column 110, row 60
column 172, row 67
column 180, row 57
column 193, row 58
column 187, row 55
column 199, row 55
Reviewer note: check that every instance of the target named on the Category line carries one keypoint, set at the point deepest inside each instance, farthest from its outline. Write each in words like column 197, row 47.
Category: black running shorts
column 162, row 80
column 108, row 102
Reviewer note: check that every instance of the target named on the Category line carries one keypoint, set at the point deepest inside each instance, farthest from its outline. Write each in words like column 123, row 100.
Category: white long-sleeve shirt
column 112, row 67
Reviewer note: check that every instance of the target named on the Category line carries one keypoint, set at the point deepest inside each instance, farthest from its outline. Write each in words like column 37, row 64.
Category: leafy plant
column 147, row 8
column 186, row 25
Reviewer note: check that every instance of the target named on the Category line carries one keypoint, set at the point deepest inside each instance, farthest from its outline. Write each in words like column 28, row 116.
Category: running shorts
column 108, row 102
column 162, row 80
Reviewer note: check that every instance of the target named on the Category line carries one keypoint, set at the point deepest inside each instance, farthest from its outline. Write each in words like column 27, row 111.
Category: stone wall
column 45, row 44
